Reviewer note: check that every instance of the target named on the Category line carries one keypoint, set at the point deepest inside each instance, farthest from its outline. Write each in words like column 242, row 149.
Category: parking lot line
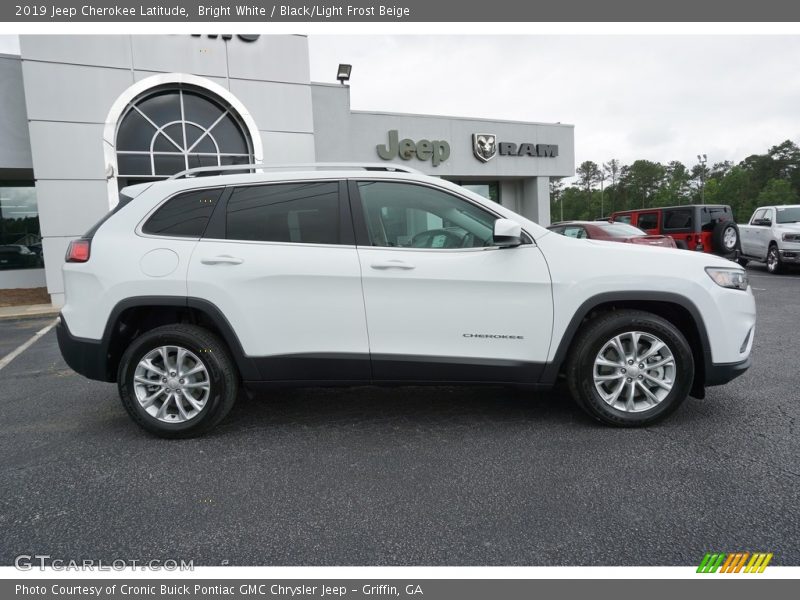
column 20, row 349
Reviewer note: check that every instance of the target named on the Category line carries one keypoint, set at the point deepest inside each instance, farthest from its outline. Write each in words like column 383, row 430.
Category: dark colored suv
column 701, row 227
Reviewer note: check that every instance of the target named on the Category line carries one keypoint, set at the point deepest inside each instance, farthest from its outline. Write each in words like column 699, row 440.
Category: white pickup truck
column 772, row 236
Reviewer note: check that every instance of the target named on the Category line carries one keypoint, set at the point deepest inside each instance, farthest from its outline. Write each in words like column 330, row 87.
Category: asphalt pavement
column 405, row 476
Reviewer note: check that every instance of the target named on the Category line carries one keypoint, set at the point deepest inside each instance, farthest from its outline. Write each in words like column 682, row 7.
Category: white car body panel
column 433, row 299
column 284, row 298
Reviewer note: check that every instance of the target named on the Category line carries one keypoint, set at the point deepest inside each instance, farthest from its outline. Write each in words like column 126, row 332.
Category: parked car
column 17, row 256
column 195, row 286
column 701, row 227
column 772, row 236
column 611, row 232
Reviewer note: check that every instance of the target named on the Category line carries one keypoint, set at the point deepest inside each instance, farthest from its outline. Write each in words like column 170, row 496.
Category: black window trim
column 217, row 225
column 363, row 238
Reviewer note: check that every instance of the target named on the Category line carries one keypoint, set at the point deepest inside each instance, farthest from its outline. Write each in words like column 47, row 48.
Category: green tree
column 776, row 192
column 642, row 179
column 587, row 174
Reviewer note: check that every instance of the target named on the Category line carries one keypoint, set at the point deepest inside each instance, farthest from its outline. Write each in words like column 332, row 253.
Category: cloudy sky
column 661, row 98
column 657, row 97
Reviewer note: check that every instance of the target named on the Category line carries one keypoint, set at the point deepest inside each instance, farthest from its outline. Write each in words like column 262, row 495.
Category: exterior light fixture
column 343, row 73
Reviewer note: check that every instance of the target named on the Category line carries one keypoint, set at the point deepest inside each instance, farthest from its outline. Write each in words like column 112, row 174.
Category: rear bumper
column 86, row 357
column 722, row 373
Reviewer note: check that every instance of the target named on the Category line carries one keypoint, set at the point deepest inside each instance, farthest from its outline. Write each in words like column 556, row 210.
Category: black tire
column 774, row 262
column 591, row 340
column 222, row 377
column 743, row 262
column 718, row 244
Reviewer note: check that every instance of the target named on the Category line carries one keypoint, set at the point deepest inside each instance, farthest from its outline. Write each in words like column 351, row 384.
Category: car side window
column 623, row 219
column 303, row 213
column 758, row 215
column 184, row 215
column 678, row 218
column 416, row 216
column 648, row 221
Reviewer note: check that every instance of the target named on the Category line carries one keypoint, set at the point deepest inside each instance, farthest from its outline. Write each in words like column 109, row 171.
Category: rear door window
column 300, row 213
column 648, row 221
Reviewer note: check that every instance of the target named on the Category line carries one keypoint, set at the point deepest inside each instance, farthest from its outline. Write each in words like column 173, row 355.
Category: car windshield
column 621, row 229
column 788, row 214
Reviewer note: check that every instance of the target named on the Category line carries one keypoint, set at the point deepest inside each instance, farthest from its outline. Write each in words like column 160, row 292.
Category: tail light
column 78, row 251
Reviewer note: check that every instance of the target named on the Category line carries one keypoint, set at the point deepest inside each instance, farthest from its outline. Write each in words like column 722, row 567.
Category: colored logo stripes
column 735, row 562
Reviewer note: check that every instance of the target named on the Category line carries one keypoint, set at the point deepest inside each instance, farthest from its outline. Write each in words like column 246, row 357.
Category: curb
column 9, row 313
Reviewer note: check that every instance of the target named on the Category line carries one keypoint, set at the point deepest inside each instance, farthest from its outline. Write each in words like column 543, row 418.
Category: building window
column 169, row 130
column 20, row 237
column 487, row 189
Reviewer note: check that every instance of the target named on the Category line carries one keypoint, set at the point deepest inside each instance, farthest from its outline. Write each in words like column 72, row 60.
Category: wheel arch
column 677, row 309
column 132, row 316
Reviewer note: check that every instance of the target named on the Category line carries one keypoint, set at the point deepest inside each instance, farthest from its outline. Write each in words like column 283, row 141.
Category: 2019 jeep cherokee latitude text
column 192, row 287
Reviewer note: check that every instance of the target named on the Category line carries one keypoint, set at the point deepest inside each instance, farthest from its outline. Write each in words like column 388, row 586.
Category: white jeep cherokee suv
column 334, row 275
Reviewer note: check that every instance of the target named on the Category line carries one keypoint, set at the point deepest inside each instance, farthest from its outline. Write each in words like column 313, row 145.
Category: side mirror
column 507, row 233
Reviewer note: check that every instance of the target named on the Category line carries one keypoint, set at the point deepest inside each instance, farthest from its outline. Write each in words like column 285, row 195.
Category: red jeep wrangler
column 701, row 227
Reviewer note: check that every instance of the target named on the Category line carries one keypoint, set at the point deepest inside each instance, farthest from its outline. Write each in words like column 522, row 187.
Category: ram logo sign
column 485, row 147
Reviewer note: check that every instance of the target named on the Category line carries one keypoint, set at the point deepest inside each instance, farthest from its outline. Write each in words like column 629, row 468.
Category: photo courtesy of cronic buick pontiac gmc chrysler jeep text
column 358, row 274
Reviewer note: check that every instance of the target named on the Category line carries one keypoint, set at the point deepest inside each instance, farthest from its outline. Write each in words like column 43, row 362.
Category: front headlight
column 735, row 279
column 791, row 237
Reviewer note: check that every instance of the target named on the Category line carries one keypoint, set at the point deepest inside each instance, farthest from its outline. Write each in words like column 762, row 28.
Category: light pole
column 702, row 159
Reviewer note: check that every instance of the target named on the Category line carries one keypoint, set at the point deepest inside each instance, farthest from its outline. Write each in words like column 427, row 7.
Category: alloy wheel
column 171, row 384
column 634, row 371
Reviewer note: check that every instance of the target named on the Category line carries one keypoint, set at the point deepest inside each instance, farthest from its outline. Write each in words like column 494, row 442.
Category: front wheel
column 774, row 264
column 177, row 381
column 630, row 368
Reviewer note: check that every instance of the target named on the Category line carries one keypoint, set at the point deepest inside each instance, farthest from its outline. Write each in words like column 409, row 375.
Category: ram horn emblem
column 484, row 145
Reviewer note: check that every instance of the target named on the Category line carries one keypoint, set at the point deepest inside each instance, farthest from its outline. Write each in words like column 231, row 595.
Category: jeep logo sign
column 485, row 147
column 436, row 151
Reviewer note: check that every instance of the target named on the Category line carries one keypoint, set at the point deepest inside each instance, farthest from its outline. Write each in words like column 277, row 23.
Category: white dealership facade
column 85, row 115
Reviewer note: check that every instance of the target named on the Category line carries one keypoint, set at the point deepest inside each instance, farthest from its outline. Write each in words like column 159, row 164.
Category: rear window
column 711, row 215
column 621, row 230
column 622, row 219
column 184, row 215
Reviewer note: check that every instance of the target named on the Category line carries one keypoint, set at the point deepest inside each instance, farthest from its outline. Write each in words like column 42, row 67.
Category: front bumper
column 86, row 357
column 722, row 373
column 791, row 257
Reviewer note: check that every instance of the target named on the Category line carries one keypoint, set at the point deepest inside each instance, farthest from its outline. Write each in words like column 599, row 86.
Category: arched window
column 168, row 130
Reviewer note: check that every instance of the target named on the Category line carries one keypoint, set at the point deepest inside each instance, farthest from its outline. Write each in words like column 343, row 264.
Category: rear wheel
column 630, row 368
column 774, row 264
column 177, row 381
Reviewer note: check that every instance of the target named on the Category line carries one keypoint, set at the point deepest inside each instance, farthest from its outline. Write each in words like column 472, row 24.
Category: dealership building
column 83, row 116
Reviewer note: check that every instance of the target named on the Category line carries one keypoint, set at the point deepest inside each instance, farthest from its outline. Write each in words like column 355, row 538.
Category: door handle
column 392, row 264
column 221, row 260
